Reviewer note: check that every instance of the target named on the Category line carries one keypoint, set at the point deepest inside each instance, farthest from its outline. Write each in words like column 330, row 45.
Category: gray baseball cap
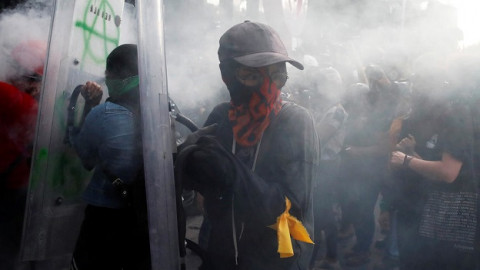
column 254, row 45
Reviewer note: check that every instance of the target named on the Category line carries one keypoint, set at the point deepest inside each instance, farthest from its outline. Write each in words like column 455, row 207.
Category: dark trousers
column 111, row 239
column 324, row 220
column 12, row 208
column 364, row 220
column 358, row 207
column 324, row 196
column 408, row 246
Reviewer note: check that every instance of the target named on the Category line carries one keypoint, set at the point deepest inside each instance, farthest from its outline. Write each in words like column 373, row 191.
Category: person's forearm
column 436, row 170
column 415, row 154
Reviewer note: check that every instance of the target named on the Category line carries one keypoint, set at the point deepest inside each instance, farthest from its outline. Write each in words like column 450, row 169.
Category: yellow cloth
column 287, row 226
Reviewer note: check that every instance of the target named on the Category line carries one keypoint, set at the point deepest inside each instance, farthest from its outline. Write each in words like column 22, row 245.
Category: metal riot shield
column 83, row 32
column 157, row 137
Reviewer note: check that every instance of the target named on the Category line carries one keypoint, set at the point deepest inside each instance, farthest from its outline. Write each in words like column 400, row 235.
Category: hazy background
column 345, row 34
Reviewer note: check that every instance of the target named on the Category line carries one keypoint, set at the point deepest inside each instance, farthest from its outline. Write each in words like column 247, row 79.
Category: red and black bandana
column 250, row 120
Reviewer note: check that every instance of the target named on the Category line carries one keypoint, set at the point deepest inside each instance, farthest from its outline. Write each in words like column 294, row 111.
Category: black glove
column 209, row 171
column 208, row 167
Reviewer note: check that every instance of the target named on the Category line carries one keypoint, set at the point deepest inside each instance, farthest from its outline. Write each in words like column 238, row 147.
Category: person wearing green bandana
column 110, row 143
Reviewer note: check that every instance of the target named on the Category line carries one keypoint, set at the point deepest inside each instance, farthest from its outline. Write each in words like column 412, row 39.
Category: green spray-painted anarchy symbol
column 103, row 13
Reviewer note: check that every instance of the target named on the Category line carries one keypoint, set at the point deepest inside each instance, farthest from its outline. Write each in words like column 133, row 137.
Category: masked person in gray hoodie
column 255, row 170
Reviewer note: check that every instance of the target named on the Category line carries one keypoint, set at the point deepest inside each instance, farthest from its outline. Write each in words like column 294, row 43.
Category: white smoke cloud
column 342, row 34
column 29, row 21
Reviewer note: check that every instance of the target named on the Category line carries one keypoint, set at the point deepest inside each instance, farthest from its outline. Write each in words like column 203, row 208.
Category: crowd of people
column 273, row 163
column 404, row 135
column 409, row 138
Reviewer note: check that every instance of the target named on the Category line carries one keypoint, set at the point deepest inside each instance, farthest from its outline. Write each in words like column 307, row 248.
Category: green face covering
column 118, row 87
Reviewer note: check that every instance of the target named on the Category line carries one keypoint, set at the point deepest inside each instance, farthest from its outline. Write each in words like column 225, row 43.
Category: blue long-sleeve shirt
column 109, row 140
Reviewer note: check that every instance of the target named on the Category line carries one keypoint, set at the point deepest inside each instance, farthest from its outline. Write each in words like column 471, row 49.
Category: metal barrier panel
column 82, row 34
column 157, row 137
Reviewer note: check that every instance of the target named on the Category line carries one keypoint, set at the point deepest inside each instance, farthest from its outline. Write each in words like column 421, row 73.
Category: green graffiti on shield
column 104, row 14
column 39, row 167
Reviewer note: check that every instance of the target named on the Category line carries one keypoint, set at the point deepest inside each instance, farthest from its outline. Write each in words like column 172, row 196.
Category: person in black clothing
column 435, row 187
column 330, row 119
column 256, row 169
column 364, row 162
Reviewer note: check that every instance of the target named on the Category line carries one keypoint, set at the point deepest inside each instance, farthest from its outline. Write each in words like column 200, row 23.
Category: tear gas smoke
column 342, row 34
column 28, row 21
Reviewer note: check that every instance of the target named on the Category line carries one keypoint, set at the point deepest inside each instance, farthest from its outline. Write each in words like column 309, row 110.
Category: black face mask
column 239, row 93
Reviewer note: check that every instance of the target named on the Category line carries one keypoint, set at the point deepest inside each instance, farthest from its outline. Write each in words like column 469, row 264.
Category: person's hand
column 384, row 221
column 397, row 158
column 92, row 93
column 407, row 145
column 193, row 137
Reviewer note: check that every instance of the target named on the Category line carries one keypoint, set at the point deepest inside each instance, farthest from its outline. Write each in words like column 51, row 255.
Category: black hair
column 122, row 62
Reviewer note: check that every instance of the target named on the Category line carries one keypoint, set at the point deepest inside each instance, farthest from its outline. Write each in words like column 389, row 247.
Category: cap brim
column 266, row 58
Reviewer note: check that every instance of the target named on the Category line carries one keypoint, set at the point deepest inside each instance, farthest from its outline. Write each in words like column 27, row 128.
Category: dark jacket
column 287, row 156
column 110, row 141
